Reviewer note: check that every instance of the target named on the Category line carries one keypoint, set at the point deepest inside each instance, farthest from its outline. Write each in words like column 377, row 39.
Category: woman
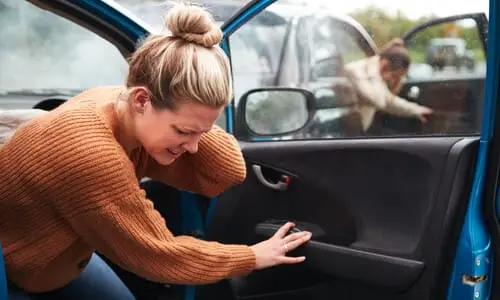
column 70, row 185
column 378, row 79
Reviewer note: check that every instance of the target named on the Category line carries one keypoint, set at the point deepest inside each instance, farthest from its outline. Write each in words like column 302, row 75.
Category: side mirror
column 267, row 113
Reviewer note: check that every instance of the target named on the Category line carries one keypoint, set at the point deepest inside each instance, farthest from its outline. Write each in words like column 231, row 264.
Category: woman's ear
column 140, row 97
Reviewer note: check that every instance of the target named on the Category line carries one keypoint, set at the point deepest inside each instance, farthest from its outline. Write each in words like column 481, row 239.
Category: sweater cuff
column 245, row 258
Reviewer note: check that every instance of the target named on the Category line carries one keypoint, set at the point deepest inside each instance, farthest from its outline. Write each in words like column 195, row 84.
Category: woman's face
column 166, row 134
column 391, row 76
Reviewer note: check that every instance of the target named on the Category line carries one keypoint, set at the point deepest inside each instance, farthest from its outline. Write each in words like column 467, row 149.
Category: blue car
column 409, row 212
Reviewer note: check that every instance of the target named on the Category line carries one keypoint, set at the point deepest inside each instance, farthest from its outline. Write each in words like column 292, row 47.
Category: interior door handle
column 414, row 92
column 281, row 185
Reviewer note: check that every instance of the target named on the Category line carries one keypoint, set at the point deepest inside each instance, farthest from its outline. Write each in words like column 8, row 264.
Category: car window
column 42, row 54
column 447, row 72
column 334, row 57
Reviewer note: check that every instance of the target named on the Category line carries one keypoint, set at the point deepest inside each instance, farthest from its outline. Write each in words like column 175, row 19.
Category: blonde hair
column 186, row 65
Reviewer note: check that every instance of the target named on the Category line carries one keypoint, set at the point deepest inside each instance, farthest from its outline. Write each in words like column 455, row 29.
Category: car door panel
column 387, row 208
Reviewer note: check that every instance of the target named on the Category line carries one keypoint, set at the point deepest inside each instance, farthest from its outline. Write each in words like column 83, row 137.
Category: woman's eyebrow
column 187, row 130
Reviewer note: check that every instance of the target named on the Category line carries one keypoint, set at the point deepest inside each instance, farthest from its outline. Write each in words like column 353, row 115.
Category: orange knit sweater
column 68, row 188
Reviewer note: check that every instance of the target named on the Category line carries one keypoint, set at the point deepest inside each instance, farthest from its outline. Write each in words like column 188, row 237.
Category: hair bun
column 193, row 24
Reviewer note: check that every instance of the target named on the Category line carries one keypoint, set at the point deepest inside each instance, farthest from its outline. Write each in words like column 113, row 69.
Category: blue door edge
column 3, row 278
column 474, row 255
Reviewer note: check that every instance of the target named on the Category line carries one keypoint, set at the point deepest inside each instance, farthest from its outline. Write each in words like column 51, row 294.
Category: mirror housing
column 273, row 113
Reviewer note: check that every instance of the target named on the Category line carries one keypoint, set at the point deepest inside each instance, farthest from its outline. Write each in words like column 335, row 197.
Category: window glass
column 43, row 55
column 430, row 82
column 46, row 59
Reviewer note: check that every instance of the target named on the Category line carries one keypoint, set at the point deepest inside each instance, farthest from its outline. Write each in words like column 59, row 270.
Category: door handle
column 281, row 185
column 414, row 92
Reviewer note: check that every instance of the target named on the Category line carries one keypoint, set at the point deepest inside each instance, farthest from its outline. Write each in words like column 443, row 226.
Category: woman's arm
column 130, row 232
column 217, row 165
column 373, row 90
column 402, row 107
column 98, row 195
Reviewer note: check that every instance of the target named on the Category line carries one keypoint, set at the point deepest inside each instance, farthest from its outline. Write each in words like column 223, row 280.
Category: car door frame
column 491, row 138
column 474, row 260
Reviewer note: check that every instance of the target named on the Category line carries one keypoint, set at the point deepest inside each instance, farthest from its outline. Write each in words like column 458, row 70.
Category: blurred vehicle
column 443, row 52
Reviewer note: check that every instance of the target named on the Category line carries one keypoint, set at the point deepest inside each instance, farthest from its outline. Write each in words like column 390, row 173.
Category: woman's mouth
column 174, row 153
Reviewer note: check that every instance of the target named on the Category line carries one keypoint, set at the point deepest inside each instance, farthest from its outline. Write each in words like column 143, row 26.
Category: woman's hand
column 272, row 252
column 426, row 112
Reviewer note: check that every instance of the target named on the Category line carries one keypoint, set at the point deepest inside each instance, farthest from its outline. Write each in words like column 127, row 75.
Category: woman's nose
column 191, row 145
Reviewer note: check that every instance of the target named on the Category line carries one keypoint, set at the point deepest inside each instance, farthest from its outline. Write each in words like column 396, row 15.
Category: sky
column 412, row 8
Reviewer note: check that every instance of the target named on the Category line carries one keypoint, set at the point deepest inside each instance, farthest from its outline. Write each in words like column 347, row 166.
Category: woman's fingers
column 284, row 230
column 298, row 241
column 292, row 237
column 291, row 260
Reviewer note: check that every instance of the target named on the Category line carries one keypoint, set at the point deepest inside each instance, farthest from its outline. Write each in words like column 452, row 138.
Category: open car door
column 397, row 216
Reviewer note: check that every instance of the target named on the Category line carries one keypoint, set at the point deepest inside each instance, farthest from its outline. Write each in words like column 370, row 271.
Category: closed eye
column 181, row 132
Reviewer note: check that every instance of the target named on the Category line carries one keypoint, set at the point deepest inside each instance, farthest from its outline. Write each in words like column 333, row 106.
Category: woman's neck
column 125, row 134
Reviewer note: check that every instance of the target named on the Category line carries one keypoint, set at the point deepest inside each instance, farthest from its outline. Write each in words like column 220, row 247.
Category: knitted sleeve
column 100, row 198
column 217, row 166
